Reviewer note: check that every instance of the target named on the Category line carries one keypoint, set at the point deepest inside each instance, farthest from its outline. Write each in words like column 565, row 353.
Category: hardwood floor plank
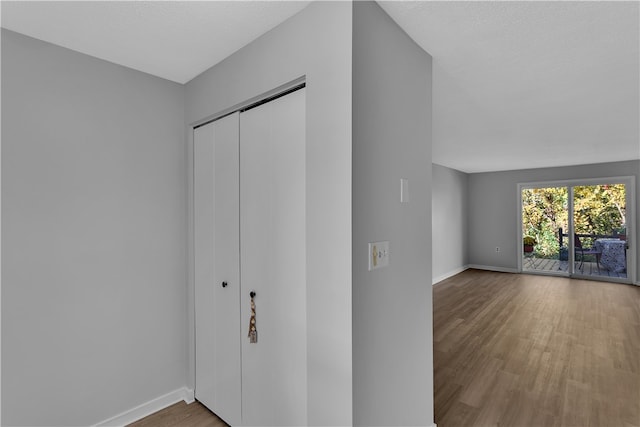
column 521, row 350
column 521, row 410
column 496, row 403
column 481, row 384
column 459, row 414
column 181, row 415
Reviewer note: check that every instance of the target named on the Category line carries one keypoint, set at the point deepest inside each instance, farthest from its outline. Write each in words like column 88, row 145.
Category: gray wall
column 493, row 204
column 315, row 43
column 449, row 221
column 94, row 225
column 392, row 311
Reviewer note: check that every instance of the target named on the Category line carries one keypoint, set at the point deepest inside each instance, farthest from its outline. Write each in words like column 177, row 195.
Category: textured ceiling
column 516, row 84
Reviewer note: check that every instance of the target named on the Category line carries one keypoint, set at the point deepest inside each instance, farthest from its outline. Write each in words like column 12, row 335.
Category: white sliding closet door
column 273, row 241
column 217, row 269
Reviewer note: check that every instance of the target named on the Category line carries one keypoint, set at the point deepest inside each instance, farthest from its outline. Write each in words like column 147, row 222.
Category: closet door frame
column 277, row 92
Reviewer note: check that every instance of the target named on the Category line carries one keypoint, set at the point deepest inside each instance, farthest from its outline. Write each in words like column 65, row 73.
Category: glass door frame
column 630, row 221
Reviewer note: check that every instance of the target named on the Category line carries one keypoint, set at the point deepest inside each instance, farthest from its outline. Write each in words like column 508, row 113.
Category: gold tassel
column 253, row 331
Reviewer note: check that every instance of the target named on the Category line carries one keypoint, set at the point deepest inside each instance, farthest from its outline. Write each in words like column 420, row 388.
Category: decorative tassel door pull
column 253, row 332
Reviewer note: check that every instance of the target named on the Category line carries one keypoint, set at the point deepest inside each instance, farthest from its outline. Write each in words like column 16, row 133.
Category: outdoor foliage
column 598, row 210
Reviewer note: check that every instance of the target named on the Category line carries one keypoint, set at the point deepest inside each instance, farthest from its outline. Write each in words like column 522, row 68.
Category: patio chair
column 579, row 249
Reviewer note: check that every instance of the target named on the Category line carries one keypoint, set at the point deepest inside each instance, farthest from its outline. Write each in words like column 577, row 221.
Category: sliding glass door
column 545, row 213
column 577, row 228
column 600, row 237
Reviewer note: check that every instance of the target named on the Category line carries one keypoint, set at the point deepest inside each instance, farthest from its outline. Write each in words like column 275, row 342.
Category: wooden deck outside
column 588, row 269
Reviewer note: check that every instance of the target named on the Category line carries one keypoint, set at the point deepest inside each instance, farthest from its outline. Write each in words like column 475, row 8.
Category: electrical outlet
column 497, row 248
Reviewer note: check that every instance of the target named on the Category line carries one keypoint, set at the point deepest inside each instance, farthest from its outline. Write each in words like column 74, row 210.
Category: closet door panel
column 273, row 241
column 217, row 251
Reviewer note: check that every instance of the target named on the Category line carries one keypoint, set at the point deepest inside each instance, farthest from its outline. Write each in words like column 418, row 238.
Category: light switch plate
column 378, row 255
column 404, row 190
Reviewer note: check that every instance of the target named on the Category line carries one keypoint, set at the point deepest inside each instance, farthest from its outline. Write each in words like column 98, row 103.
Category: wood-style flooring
column 524, row 350
column 517, row 350
column 181, row 415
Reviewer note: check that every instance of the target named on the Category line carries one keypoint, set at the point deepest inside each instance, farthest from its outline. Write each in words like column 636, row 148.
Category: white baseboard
column 449, row 274
column 148, row 408
column 189, row 395
column 491, row 268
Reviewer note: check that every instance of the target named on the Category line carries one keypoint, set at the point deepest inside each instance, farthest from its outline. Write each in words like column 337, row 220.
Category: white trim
column 449, row 274
column 189, row 395
column 519, row 235
column 577, row 182
column 492, row 268
column 571, row 248
column 278, row 91
column 148, row 408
